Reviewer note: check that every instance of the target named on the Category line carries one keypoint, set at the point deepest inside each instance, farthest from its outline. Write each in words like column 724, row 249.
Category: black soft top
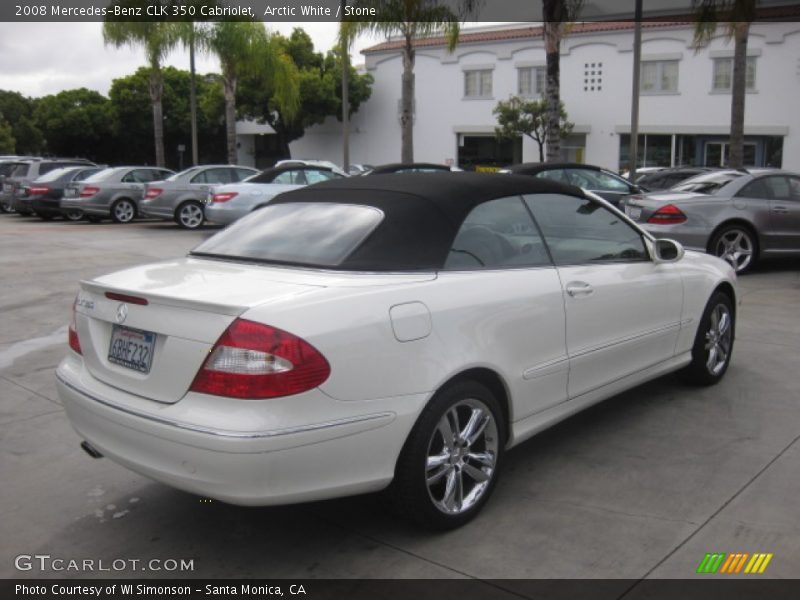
column 422, row 212
column 533, row 168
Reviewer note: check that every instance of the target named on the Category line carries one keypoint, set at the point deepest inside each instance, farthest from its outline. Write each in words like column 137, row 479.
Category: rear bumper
column 85, row 206
column 218, row 213
column 260, row 453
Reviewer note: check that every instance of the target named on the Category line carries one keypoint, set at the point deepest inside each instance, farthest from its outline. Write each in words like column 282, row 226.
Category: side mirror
column 667, row 251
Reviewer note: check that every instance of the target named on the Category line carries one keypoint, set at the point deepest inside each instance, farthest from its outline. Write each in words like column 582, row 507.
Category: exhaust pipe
column 90, row 450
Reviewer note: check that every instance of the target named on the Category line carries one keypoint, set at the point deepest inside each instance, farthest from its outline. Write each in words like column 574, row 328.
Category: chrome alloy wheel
column 461, row 457
column 718, row 339
column 190, row 215
column 736, row 247
column 124, row 211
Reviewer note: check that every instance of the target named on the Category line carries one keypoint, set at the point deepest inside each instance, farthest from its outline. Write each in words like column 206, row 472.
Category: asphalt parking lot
column 641, row 486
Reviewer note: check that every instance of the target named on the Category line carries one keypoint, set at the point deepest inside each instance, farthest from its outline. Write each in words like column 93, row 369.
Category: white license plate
column 70, row 193
column 131, row 348
column 7, row 187
column 634, row 212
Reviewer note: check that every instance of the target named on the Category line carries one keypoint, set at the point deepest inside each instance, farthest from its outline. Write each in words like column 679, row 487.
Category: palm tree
column 413, row 19
column 347, row 34
column 158, row 39
column 555, row 14
column 738, row 14
column 188, row 34
column 244, row 47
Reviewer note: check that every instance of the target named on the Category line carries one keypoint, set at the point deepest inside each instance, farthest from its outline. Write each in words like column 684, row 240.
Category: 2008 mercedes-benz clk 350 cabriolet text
column 396, row 330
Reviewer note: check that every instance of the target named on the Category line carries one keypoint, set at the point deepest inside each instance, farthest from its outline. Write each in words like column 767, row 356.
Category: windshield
column 707, row 183
column 303, row 233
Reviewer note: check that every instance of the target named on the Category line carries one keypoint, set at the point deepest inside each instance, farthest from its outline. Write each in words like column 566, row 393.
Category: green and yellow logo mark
column 721, row 562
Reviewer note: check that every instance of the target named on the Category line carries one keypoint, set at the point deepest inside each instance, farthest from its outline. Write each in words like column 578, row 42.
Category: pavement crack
column 724, row 505
column 27, row 389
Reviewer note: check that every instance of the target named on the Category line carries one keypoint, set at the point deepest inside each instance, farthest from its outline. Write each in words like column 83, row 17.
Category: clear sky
column 37, row 59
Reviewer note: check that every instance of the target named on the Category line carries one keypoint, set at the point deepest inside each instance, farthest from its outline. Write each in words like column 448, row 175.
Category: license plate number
column 131, row 348
column 634, row 212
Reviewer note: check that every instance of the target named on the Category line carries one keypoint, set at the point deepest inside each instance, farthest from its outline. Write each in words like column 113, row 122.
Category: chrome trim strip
column 547, row 368
column 631, row 338
column 224, row 432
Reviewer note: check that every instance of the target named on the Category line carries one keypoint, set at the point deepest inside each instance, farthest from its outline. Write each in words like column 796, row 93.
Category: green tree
column 319, row 90
column 520, row 116
column 737, row 15
column 7, row 142
column 411, row 20
column 556, row 14
column 157, row 38
column 18, row 113
column 245, row 49
column 76, row 123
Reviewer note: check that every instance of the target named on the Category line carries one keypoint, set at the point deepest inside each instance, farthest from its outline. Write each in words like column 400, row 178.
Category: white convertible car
column 399, row 331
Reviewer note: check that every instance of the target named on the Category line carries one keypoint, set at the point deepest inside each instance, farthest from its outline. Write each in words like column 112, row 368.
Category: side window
column 81, row 175
column 239, row 174
column 296, row 177
column 315, row 176
column 794, row 188
column 779, row 187
column 497, row 234
column 129, row 177
column 756, row 189
column 578, row 231
column 215, row 176
column 46, row 167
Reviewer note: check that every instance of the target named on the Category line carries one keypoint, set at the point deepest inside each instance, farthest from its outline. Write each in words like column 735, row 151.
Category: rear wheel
column 713, row 343
column 737, row 245
column 449, row 464
column 5, row 206
column 73, row 215
column 123, row 211
column 189, row 215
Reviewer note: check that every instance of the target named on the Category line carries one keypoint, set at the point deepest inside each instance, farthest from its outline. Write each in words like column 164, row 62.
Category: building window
column 531, row 81
column 659, row 76
column 478, row 83
column 723, row 74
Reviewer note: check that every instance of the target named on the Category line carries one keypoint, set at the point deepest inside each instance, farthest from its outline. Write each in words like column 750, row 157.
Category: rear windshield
column 101, row 175
column 301, row 233
column 55, row 174
column 706, row 183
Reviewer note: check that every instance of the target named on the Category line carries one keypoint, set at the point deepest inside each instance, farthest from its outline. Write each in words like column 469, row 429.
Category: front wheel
column 713, row 343
column 737, row 245
column 123, row 211
column 449, row 464
column 189, row 215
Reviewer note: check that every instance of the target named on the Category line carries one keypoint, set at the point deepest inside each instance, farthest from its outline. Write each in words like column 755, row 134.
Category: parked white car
column 399, row 331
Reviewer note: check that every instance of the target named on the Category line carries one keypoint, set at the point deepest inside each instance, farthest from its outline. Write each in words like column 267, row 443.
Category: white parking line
column 15, row 351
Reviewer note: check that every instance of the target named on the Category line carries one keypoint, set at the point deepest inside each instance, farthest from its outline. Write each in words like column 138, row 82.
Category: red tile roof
column 499, row 35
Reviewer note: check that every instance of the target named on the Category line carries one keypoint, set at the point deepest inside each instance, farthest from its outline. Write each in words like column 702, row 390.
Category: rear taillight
column 251, row 360
column 223, row 196
column 74, row 342
column 89, row 191
column 667, row 215
column 38, row 190
column 152, row 193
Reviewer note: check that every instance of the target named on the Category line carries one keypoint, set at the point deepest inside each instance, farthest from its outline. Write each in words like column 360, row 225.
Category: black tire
column 737, row 245
column 73, row 215
column 705, row 370
column 189, row 214
column 94, row 219
column 428, row 468
column 123, row 211
column 5, row 206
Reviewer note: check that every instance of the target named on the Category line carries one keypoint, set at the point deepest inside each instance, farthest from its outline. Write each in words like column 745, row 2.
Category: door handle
column 579, row 288
column 781, row 210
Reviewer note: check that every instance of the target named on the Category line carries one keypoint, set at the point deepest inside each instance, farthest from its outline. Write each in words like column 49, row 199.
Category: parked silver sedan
column 113, row 192
column 182, row 196
column 230, row 202
column 738, row 215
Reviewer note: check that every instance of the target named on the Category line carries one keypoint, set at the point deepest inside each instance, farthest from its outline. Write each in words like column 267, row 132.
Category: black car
column 28, row 171
column 43, row 196
column 666, row 178
column 605, row 184
column 408, row 168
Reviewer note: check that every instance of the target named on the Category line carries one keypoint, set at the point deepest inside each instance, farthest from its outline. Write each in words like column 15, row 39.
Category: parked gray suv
column 114, row 193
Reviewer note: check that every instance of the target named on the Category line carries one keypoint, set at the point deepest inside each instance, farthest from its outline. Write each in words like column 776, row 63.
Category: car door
column 753, row 202
column 785, row 211
column 503, row 304
column 623, row 311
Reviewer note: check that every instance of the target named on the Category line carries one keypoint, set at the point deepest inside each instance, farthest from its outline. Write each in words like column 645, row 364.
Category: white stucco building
column 684, row 107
